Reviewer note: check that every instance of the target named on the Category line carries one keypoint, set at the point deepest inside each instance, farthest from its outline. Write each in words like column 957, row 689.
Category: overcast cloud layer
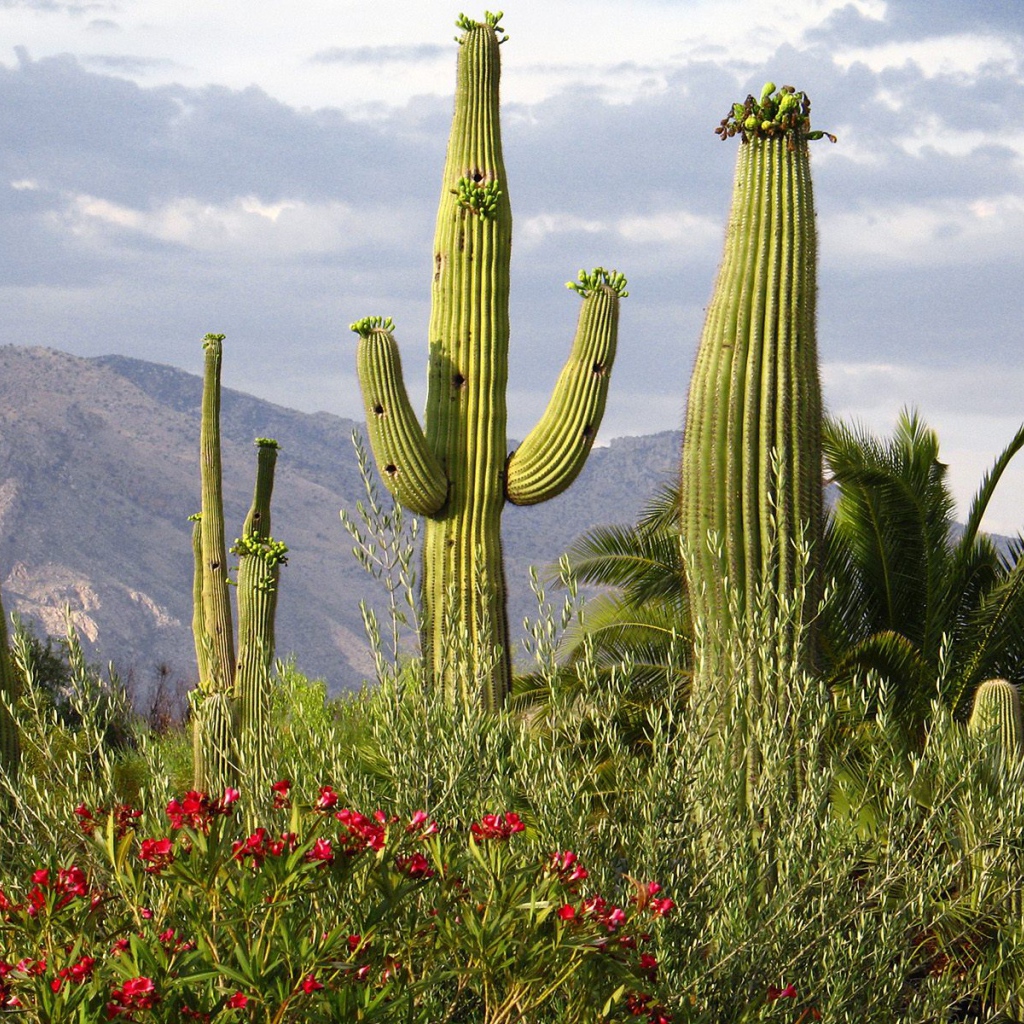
column 274, row 176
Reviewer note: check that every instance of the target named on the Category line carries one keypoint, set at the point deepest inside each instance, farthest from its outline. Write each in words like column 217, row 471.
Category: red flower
column 789, row 992
column 280, row 789
column 135, row 994
column 158, row 853
column 327, row 799
column 660, row 908
column 239, row 1001
column 321, row 851
column 362, row 833
column 496, row 826
column 566, row 912
column 310, row 984
column 414, row 866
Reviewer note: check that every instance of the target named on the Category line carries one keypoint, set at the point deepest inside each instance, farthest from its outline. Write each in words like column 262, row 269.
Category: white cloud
column 967, row 54
column 872, row 394
column 946, row 232
column 244, row 225
column 698, row 234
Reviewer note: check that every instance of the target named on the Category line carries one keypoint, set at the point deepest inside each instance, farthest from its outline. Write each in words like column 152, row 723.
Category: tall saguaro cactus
column 232, row 701
column 456, row 472
column 751, row 466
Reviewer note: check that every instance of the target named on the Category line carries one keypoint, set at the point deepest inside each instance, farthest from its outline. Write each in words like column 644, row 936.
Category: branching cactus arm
column 408, row 467
column 555, row 451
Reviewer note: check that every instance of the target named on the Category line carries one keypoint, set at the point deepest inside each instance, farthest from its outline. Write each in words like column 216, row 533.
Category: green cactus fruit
column 454, row 471
column 751, row 464
column 10, row 689
column 996, row 719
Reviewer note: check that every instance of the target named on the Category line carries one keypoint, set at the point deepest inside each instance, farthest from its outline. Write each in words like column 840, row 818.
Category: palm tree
column 641, row 615
column 931, row 613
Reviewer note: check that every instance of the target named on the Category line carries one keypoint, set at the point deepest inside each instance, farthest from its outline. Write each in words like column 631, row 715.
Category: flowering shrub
column 326, row 915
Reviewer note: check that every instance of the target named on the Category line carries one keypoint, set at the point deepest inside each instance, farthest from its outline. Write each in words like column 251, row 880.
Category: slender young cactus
column 260, row 558
column 231, row 702
column 751, row 465
column 456, row 473
column 10, row 688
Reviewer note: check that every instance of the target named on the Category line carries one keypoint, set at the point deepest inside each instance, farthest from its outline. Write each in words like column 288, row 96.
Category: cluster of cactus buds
column 480, row 199
column 786, row 112
column 586, row 283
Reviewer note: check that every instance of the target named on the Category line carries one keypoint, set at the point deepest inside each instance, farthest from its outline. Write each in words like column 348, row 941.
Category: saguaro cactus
column 457, row 473
column 231, row 703
column 996, row 720
column 751, row 466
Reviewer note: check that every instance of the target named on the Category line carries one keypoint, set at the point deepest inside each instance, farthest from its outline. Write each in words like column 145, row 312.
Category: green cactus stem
column 996, row 719
column 453, row 471
column 751, row 464
column 231, row 704
column 10, row 689
column 259, row 569
column 216, row 601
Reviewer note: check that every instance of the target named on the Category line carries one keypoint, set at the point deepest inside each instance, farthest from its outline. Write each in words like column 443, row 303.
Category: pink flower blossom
column 789, row 992
column 238, row 1001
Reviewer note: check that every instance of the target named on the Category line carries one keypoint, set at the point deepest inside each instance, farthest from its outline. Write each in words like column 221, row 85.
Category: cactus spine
column 454, row 471
column 751, row 465
column 232, row 700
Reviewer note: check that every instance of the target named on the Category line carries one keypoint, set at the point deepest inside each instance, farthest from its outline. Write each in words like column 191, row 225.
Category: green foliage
column 917, row 605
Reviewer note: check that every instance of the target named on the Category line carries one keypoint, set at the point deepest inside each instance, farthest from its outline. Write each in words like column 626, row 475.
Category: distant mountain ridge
column 99, row 472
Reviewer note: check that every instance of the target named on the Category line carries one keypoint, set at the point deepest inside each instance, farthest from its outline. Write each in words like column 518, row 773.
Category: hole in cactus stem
column 378, row 410
column 477, row 176
column 588, row 430
column 391, row 469
column 599, row 370
column 458, row 380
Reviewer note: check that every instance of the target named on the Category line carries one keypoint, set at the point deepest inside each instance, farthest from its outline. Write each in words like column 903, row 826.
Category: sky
column 271, row 171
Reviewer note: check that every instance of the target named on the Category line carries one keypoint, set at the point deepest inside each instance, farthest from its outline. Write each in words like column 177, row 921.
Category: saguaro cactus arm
column 555, row 451
column 408, row 467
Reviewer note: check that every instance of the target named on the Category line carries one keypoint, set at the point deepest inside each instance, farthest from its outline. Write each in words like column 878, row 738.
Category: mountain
column 99, row 473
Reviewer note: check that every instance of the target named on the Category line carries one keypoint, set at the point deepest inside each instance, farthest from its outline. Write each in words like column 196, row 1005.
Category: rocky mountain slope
column 99, row 473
